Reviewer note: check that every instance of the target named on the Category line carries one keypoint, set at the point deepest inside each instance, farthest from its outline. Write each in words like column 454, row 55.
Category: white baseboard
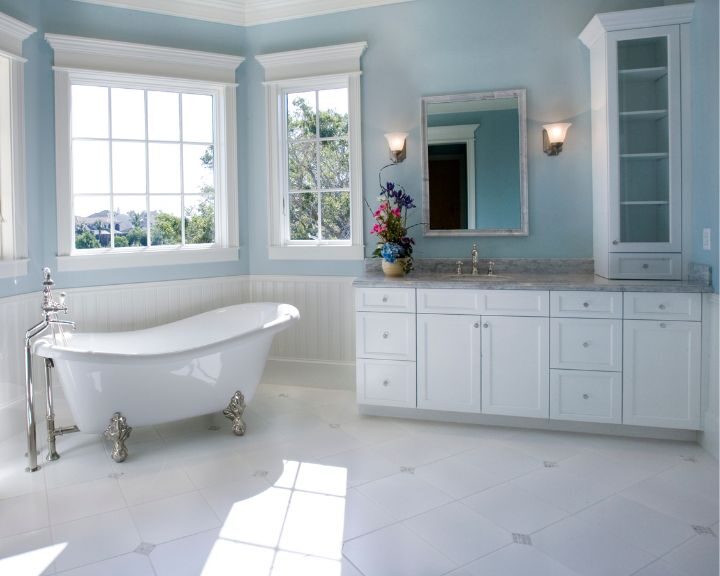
column 533, row 423
column 332, row 375
column 708, row 438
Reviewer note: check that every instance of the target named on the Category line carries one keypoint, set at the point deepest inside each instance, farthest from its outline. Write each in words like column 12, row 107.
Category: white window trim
column 315, row 68
column 13, row 202
column 89, row 60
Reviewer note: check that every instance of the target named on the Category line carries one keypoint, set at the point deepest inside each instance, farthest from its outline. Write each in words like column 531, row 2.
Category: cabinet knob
column 386, row 382
column 486, row 325
column 476, row 325
column 646, row 266
column 386, row 334
column 616, row 242
column 662, row 306
column 586, row 396
column 586, row 344
column 385, row 298
column 586, row 304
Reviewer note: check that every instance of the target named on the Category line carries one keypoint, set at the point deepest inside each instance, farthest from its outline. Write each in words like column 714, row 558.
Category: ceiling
column 243, row 12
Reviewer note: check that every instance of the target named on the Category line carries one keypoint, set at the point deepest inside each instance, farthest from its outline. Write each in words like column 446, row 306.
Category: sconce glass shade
column 396, row 143
column 554, row 137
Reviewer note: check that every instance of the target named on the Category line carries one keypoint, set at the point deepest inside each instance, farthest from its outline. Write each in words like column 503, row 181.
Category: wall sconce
column 396, row 142
column 553, row 137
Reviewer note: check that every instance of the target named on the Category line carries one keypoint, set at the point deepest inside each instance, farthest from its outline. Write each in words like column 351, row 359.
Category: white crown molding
column 75, row 52
column 243, row 12
column 12, row 34
column 326, row 60
column 642, row 18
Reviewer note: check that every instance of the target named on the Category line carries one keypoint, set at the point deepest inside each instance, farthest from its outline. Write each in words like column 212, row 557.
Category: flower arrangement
column 391, row 225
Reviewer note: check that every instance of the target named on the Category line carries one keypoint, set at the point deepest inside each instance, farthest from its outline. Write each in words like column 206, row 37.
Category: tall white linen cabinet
column 640, row 105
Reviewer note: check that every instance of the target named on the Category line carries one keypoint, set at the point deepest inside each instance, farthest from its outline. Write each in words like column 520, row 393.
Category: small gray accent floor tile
column 145, row 548
column 704, row 530
column 522, row 539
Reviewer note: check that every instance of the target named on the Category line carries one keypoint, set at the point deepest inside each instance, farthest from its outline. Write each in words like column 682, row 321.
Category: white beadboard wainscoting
column 709, row 438
column 319, row 350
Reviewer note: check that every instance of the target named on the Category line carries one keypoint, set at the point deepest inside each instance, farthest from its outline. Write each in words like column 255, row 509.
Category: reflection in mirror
column 474, row 155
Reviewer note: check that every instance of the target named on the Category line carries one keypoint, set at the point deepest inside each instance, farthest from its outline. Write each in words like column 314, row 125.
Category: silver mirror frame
column 520, row 94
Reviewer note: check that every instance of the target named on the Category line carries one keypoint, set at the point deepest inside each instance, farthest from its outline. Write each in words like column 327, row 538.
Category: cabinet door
column 448, row 362
column 661, row 377
column 644, row 140
column 515, row 370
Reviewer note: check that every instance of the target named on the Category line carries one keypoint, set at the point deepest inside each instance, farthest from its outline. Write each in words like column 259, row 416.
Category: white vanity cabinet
column 448, row 362
column 483, row 351
column 385, row 346
column 586, row 356
column 640, row 141
column 662, row 359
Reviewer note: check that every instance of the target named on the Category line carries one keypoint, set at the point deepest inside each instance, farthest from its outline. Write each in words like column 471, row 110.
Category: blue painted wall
column 706, row 209
column 418, row 48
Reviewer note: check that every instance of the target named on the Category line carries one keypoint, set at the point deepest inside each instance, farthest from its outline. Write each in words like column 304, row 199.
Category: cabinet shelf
column 644, row 115
column 645, row 203
column 641, row 74
column 645, row 156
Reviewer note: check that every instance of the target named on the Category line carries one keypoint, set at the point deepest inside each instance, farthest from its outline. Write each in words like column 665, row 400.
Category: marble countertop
column 526, row 281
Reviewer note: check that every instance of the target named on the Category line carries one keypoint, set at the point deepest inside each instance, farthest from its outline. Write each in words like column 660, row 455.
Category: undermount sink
column 478, row 278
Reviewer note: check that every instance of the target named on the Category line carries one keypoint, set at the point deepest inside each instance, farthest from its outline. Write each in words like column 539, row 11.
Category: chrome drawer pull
column 586, row 304
column 386, row 334
column 385, row 298
column 646, row 266
column 586, row 344
column 486, row 325
column 616, row 242
column 662, row 325
column 476, row 325
column 386, row 382
column 586, row 396
column 662, row 306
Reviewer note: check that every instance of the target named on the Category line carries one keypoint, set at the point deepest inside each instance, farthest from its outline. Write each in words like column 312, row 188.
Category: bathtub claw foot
column 118, row 431
column 234, row 412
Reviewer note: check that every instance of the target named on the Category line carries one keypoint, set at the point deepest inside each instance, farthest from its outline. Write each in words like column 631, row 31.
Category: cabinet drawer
column 586, row 396
column 389, row 336
column 646, row 266
column 586, row 344
column 448, row 301
column 515, row 303
column 386, row 383
column 662, row 306
column 586, row 304
column 385, row 299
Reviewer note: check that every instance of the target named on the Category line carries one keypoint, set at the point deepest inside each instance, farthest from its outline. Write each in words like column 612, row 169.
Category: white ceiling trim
column 12, row 34
column 243, row 12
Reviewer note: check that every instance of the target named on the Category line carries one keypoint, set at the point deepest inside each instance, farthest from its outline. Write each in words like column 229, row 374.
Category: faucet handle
column 491, row 268
column 459, row 264
column 61, row 298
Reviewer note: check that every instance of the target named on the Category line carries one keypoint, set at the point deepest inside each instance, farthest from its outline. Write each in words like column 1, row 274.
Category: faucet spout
column 474, row 258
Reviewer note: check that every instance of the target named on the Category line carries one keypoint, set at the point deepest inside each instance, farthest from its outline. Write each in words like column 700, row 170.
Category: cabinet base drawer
column 386, row 383
column 645, row 266
column 662, row 306
column 586, row 396
column 385, row 299
column 387, row 336
column 586, row 344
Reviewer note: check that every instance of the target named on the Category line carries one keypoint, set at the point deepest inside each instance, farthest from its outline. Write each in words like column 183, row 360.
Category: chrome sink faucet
column 474, row 257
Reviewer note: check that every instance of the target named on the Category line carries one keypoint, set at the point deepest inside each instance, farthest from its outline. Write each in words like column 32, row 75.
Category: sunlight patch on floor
column 31, row 563
column 294, row 527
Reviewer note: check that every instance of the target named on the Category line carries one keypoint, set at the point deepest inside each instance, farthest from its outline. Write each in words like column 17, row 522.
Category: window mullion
column 317, row 169
column 147, row 173
column 112, row 192
column 182, row 172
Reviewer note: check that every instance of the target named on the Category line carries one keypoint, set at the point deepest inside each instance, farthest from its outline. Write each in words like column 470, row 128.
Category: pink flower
column 396, row 212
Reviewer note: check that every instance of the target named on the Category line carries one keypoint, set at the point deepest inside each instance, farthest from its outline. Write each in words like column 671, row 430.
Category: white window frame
column 312, row 69
column 13, row 203
column 108, row 63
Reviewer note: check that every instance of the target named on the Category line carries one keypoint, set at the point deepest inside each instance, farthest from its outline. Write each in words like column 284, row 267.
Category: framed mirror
column 475, row 164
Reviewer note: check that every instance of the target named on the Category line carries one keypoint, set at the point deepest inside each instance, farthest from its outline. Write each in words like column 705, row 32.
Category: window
column 146, row 163
column 315, row 180
column 13, row 236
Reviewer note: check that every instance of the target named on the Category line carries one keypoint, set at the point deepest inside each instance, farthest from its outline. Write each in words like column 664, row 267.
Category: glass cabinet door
column 647, row 141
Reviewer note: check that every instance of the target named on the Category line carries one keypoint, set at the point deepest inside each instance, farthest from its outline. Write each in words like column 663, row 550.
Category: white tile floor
column 313, row 489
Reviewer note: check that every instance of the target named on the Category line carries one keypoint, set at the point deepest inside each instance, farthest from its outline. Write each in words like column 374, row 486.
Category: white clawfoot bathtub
column 170, row 372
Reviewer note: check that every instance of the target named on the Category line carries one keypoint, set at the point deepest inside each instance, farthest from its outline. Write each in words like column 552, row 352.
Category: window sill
column 319, row 252
column 13, row 268
column 106, row 260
